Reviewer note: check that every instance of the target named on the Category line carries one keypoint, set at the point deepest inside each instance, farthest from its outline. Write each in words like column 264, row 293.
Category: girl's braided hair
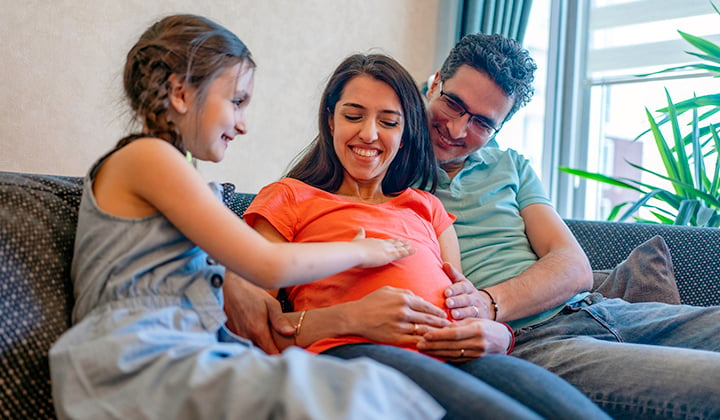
column 193, row 47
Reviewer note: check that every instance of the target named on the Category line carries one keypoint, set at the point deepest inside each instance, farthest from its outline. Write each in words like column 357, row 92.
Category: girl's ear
column 178, row 94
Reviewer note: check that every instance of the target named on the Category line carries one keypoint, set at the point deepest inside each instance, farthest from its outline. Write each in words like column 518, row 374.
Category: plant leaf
column 686, row 212
column 638, row 204
column 697, row 154
column 683, row 167
column 701, row 44
column 663, row 219
column 616, row 210
column 696, row 102
column 663, row 148
column 716, row 176
column 690, row 192
column 698, row 66
column 703, row 57
column 704, row 216
column 598, row 177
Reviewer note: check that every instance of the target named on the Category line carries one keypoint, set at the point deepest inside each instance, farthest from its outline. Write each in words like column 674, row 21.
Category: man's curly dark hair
column 507, row 63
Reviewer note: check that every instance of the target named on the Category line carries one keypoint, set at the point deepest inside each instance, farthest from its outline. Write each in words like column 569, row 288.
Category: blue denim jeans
column 635, row 360
column 491, row 387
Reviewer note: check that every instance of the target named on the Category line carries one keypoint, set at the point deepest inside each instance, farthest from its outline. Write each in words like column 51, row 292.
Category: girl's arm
column 149, row 175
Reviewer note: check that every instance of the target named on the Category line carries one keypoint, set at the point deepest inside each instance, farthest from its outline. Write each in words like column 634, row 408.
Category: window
column 524, row 132
column 589, row 103
column 596, row 103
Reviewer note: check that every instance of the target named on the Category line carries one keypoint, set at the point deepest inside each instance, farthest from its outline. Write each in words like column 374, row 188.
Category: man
column 639, row 360
column 634, row 360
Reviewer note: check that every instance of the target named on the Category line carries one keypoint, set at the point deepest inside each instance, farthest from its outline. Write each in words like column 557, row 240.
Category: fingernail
column 450, row 302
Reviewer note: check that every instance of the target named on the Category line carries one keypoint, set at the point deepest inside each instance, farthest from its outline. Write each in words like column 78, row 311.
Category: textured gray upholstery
column 695, row 253
column 38, row 214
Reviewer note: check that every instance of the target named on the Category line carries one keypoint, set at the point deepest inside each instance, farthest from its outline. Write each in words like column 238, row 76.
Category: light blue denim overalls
column 149, row 341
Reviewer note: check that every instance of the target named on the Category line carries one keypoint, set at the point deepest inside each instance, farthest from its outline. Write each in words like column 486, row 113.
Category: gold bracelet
column 299, row 324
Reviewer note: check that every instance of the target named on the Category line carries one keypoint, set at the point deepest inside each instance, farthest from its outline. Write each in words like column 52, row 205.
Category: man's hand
column 463, row 299
column 252, row 311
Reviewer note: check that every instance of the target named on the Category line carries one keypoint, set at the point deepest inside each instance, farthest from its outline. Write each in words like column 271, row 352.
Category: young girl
column 152, row 242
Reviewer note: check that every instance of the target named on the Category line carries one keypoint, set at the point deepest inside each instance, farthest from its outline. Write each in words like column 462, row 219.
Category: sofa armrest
column 38, row 214
column 695, row 253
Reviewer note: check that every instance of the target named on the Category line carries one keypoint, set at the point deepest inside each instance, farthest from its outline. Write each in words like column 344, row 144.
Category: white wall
column 60, row 76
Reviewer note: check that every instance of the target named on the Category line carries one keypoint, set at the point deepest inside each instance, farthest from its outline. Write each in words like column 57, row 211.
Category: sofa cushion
column 645, row 276
column 37, row 231
column 237, row 202
column 694, row 252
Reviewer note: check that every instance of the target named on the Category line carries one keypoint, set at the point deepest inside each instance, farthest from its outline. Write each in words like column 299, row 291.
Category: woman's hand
column 463, row 299
column 465, row 340
column 393, row 316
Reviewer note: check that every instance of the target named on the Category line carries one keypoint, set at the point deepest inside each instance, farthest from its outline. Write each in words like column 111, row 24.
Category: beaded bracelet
column 492, row 302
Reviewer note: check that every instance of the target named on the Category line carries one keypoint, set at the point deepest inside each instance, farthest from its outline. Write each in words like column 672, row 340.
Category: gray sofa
column 37, row 228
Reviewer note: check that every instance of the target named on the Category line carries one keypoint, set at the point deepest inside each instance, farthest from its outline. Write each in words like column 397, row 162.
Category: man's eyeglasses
column 477, row 123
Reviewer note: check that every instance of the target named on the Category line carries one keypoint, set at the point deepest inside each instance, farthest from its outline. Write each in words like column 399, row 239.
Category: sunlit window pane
column 616, row 54
column 524, row 132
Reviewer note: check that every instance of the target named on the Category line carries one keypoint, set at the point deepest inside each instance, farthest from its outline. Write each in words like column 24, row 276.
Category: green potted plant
column 690, row 159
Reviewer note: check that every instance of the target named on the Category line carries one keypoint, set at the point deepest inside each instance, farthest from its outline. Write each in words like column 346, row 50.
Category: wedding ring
column 415, row 329
column 477, row 311
column 462, row 353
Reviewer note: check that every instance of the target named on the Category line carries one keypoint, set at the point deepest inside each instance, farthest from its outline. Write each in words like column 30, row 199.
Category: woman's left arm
column 449, row 247
column 468, row 337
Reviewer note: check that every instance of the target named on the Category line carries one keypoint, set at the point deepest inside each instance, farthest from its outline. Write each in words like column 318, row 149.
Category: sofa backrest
column 695, row 253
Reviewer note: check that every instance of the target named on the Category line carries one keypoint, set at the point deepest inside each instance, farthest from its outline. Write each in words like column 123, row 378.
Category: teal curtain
column 505, row 17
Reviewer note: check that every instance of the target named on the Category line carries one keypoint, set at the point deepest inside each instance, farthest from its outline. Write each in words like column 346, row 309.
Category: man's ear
column 178, row 94
column 432, row 84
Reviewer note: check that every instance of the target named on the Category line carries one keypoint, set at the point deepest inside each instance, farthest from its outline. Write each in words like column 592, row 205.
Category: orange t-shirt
column 302, row 213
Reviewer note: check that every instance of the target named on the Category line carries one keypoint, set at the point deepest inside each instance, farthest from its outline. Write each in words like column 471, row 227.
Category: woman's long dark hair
column 414, row 164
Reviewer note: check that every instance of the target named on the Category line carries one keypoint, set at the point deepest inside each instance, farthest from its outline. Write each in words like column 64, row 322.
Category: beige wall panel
column 62, row 60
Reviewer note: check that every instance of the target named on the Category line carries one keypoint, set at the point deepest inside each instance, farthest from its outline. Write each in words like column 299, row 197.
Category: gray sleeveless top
column 142, row 262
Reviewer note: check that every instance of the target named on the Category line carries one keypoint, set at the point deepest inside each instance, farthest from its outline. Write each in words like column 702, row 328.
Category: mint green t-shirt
column 486, row 196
